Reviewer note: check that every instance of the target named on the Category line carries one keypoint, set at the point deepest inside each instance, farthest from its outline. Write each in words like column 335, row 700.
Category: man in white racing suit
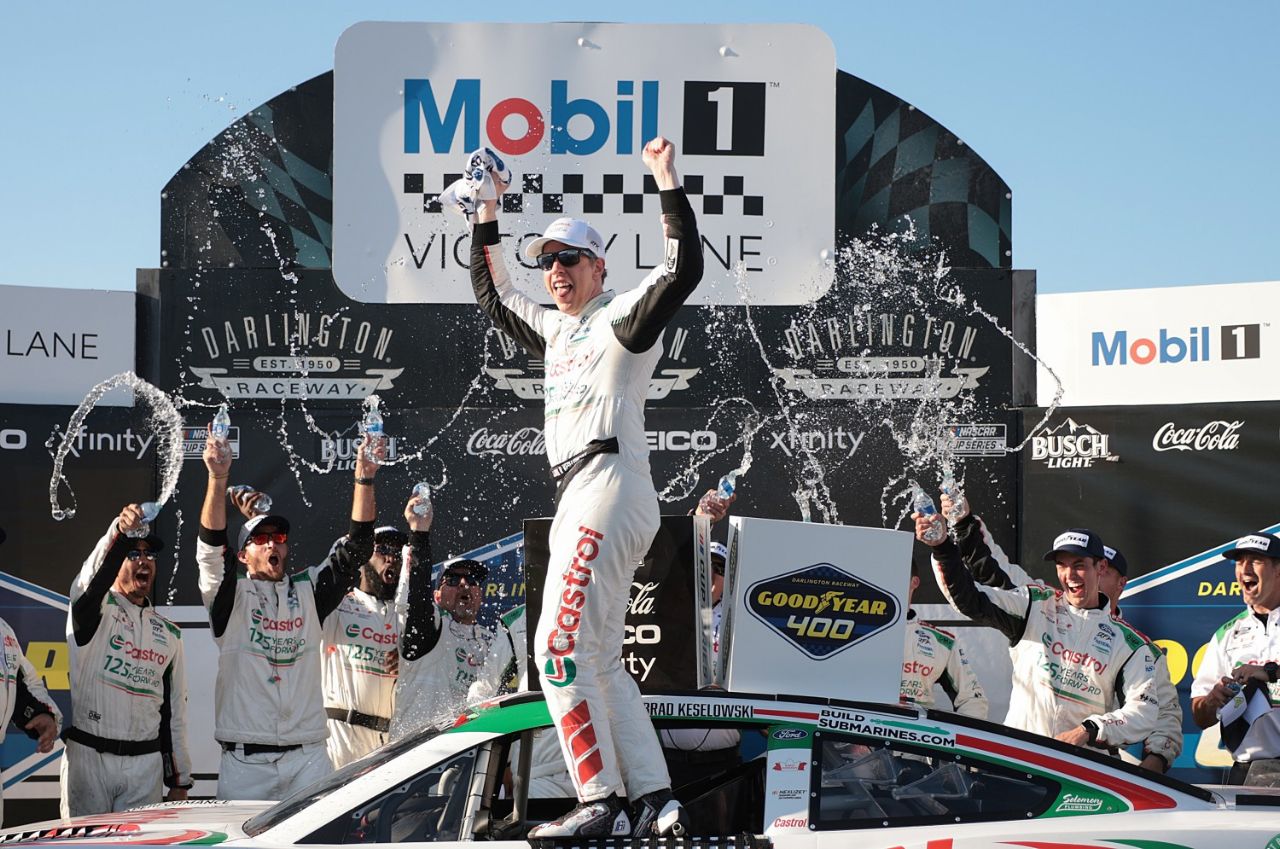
column 1245, row 651
column 1073, row 658
column 361, row 654
column 989, row 565
column 23, row 697
column 934, row 656
column 600, row 350
column 269, row 704
column 128, row 733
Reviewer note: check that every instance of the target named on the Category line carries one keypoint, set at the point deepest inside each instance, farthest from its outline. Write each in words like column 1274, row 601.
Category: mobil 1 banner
column 1169, row 487
column 570, row 106
column 662, row 625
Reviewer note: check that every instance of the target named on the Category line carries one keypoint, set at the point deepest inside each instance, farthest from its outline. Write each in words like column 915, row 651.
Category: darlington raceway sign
column 751, row 110
column 1188, row 344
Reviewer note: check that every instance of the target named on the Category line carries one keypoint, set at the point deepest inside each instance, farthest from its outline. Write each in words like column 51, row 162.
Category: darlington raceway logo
column 1071, row 446
column 821, row 609
column 529, row 384
column 1217, row 435
column 837, row 371
column 1118, row 348
column 295, row 355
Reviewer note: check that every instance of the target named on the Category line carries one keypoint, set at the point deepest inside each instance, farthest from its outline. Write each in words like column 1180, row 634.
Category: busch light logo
column 444, row 109
column 821, row 609
column 1071, row 446
column 1118, row 348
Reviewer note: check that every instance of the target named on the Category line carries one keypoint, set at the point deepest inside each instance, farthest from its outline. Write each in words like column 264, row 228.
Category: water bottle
column 959, row 504
column 371, row 424
column 728, row 484
column 261, row 507
column 921, row 503
column 221, row 427
column 423, row 491
column 150, row 509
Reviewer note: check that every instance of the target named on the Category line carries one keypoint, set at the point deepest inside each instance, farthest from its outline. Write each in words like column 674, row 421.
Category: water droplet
column 773, row 260
column 769, row 223
column 58, row 514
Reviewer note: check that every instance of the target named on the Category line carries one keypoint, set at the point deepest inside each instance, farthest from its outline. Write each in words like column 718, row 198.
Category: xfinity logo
column 13, row 439
column 1217, row 435
column 1071, row 446
column 127, row 442
column 791, row 442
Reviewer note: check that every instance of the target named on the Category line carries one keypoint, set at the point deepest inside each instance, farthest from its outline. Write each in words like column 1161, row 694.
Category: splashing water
column 165, row 422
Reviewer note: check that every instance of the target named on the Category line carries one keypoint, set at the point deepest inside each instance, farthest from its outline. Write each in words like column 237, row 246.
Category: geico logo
column 384, row 637
column 128, row 649
column 836, row 601
column 680, row 440
column 644, row 635
column 13, row 439
column 422, row 106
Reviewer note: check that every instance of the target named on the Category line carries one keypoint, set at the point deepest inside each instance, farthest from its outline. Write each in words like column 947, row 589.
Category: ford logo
column 790, row 734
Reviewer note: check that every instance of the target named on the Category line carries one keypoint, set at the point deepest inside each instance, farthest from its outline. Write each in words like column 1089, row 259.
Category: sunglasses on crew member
column 453, row 579
column 279, row 538
column 139, row 554
column 386, row 549
column 568, row 258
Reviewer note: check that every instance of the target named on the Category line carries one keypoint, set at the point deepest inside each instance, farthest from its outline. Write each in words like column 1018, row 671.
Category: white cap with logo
column 571, row 231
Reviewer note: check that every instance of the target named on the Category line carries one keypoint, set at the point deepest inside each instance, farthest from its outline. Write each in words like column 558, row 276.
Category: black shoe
column 659, row 814
column 601, row 818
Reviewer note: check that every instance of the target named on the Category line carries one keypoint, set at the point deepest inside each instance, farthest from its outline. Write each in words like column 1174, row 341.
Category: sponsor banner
column 662, row 619
column 1183, row 488
column 974, row 440
column 411, row 100
column 1175, row 345
column 821, row 608
column 193, row 441
column 59, row 343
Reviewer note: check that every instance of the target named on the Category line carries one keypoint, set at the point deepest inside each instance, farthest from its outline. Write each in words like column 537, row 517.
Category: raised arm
column 510, row 311
column 341, row 570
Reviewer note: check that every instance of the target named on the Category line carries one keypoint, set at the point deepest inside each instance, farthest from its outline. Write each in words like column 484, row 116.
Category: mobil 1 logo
column 724, row 118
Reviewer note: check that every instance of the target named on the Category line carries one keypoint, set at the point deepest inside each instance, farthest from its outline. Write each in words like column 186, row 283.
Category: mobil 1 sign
column 569, row 106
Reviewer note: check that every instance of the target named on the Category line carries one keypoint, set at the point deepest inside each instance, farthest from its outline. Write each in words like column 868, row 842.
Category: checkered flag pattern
column 624, row 194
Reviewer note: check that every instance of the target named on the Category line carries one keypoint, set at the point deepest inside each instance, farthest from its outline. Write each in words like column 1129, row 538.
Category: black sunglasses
column 386, row 549
column 568, row 258
column 139, row 554
column 453, row 579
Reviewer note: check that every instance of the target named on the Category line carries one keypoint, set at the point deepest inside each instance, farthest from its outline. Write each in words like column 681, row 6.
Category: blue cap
column 1076, row 541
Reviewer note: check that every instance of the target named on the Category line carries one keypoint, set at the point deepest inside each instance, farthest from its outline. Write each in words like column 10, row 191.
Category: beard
column 381, row 590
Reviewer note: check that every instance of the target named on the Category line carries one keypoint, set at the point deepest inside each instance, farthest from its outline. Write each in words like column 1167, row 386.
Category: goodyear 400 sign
column 571, row 106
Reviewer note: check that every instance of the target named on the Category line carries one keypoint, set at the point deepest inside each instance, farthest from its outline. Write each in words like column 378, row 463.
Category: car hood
column 203, row 822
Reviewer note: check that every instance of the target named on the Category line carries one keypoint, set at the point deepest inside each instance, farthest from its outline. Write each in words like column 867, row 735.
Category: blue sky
column 1139, row 138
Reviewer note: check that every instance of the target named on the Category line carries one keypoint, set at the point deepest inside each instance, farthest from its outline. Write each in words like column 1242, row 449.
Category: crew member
column 24, row 699
column 934, row 656
column 1073, row 658
column 269, row 705
column 990, row 565
column 1246, row 649
column 600, row 350
column 128, row 732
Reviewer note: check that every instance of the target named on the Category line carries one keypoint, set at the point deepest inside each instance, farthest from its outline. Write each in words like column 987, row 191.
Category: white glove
column 484, row 170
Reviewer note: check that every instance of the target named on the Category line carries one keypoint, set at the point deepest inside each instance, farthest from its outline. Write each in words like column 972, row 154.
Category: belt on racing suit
column 355, row 717
column 257, row 748
column 564, row 472
column 111, row 747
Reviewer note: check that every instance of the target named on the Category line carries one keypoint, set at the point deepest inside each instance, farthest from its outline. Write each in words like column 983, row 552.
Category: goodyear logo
column 821, row 609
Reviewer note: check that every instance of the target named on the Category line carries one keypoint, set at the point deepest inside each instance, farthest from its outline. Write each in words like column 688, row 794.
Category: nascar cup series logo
column 822, row 610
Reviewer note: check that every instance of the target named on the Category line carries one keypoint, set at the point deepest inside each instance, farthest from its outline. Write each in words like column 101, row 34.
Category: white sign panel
column 59, row 343
column 1178, row 345
column 815, row 610
column 569, row 106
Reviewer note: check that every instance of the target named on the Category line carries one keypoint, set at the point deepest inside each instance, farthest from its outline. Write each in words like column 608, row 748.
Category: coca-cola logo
column 527, row 441
column 1217, row 435
column 643, row 596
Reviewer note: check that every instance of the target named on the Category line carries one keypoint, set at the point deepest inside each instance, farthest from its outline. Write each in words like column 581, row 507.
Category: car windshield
column 308, row 796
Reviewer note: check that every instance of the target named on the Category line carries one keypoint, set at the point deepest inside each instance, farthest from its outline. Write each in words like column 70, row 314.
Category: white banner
column 59, row 343
column 751, row 109
column 1176, row 345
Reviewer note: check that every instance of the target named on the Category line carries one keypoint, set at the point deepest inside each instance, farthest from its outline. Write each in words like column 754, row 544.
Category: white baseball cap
column 571, row 231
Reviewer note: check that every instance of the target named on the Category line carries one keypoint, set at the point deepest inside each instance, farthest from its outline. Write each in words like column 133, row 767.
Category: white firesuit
column 934, row 656
column 1245, row 639
column 439, row 657
column 361, row 658
column 22, row 694
column 990, row 565
column 128, row 692
column 507, row 671
column 598, row 368
column 269, row 704
column 1069, row 664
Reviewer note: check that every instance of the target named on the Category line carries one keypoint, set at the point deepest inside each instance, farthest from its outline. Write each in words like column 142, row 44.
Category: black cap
column 1116, row 559
column 476, row 570
column 280, row 522
column 1076, row 541
column 1268, row 545
column 391, row 535
column 153, row 541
